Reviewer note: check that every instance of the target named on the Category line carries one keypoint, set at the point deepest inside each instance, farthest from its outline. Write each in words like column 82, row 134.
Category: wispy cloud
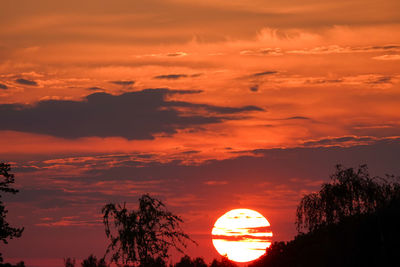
column 214, row 182
column 171, row 76
column 380, row 80
column 176, row 54
column 26, row 82
column 344, row 141
column 388, row 57
column 95, row 88
column 165, row 55
column 254, row 88
column 3, row 86
column 123, row 83
column 331, row 49
column 262, row 52
column 264, row 73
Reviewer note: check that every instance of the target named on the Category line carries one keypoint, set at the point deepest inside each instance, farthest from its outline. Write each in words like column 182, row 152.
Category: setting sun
column 242, row 235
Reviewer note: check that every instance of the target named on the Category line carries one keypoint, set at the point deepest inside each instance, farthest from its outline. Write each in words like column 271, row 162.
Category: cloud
column 252, row 238
column 189, row 152
column 260, row 229
column 331, row 49
column 25, row 169
column 171, row 76
column 68, row 222
column 289, row 119
column 387, row 57
column 340, row 141
column 176, row 54
column 214, row 109
column 212, row 182
column 134, row 115
column 268, row 165
column 230, row 110
column 262, row 52
column 323, row 81
column 297, row 118
column 172, row 54
column 379, row 48
column 3, row 86
column 380, row 80
column 95, row 88
column 264, row 73
column 254, row 88
column 123, row 83
column 322, row 50
column 26, row 82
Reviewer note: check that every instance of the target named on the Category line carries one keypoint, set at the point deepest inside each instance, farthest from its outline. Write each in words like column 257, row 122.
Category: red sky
column 207, row 106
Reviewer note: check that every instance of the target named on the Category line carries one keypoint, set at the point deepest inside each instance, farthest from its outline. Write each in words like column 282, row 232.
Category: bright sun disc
column 242, row 235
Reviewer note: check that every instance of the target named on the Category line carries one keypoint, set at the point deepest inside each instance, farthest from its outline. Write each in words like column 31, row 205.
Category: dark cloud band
column 171, row 76
column 26, row 82
column 123, row 83
column 134, row 115
column 3, row 86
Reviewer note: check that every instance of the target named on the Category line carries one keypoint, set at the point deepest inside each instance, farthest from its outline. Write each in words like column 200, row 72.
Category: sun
column 242, row 235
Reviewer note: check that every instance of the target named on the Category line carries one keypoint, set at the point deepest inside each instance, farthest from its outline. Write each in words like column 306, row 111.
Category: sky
column 206, row 105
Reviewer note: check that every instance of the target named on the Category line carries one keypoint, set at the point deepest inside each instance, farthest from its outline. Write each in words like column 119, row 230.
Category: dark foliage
column 224, row 262
column 361, row 232
column 365, row 240
column 69, row 262
column 186, row 261
column 92, row 261
column 19, row 264
column 349, row 193
column 151, row 262
column 6, row 231
column 142, row 237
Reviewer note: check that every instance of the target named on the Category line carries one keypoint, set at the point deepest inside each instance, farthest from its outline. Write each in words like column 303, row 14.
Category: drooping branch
column 143, row 235
column 348, row 193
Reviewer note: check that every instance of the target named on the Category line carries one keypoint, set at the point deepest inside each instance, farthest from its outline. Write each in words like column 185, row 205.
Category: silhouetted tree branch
column 143, row 236
column 350, row 192
column 6, row 231
column 92, row 261
column 69, row 262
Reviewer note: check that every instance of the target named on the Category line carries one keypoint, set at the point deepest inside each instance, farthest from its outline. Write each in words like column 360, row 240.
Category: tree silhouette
column 92, row 261
column 349, row 193
column 186, row 261
column 142, row 237
column 19, row 264
column 224, row 262
column 351, row 221
column 6, row 231
column 69, row 262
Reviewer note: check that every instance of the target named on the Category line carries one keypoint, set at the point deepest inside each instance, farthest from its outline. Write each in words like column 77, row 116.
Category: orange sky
column 106, row 100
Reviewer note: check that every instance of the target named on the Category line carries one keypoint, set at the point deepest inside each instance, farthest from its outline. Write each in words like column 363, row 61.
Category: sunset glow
column 207, row 105
column 242, row 235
